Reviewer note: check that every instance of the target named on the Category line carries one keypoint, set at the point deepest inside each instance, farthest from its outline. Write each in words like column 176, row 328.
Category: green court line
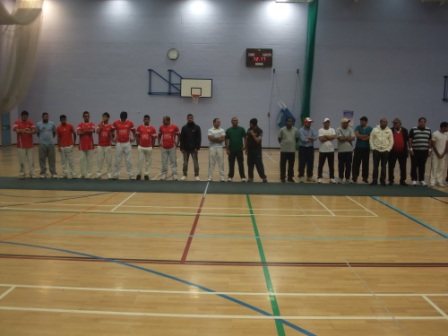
column 173, row 235
column 267, row 276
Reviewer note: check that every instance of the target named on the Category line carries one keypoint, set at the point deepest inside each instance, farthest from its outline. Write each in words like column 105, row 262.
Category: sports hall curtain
column 309, row 58
column 19, row 34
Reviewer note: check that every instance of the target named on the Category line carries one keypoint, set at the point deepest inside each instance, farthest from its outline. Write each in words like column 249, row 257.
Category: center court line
column 324, row 206
column 156, row 291
column 166, row 276
column 121, row 203
column 209, row 316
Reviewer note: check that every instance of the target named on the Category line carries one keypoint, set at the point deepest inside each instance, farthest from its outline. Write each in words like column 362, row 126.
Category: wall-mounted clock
column 173, row 54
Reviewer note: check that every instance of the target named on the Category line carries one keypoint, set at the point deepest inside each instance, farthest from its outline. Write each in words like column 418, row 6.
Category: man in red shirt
column 122, row 130
column 104, row 149
column 85, row 131
column 25, row 129
column 66, row 137
column 399, row 151
column 168, row 141
column 146, row 138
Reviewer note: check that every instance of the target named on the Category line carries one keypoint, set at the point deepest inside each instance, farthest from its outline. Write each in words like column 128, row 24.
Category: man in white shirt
column 381, row 142
column 326, row 150
column 217, row 138
column 439, row 141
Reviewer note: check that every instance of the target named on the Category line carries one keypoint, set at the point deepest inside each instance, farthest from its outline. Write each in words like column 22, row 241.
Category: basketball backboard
column 194, row 86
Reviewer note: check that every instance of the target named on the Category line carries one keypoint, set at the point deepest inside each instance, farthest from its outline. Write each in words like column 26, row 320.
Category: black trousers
column 361, row 156
column 290, row 158
column 322, row 158
column 240, row 159
column 379, row 158
column 418, row 163
column 254, row 159
column 402, row 159
column 345, row 164
column 306, row 158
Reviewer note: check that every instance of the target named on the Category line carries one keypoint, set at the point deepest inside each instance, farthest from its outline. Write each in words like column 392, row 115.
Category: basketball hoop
column 195, row 97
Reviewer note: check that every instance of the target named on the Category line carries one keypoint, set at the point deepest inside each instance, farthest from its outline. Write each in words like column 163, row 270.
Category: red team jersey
column 65, row 135
column 168, row 135
column 104, row 138
column 24, row 140
column 86, row 140
column 123, row 130
column 147, row 135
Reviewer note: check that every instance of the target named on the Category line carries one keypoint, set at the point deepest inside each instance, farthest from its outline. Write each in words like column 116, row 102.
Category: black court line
column 254, row 188
column 226, row 263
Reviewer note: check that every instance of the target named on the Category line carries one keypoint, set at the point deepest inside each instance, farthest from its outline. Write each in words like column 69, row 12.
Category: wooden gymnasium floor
column 110, row 263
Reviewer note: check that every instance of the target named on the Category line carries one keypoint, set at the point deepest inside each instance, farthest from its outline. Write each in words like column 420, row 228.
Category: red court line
column 59, row 220
column 193, row 229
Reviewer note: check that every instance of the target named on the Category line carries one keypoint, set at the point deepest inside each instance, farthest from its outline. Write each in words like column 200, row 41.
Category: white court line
column 435, row 307
column 362, row 206
column 129, row 290
column 209, row 316
column 7, row 292
column 323, row 205
column 129, row 197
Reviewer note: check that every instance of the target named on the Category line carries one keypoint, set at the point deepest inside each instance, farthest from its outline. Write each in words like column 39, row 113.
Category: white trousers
column 86, row 163
column 216, row 154
column 26, row 155
column 123, row 149
column 144, row 158
column 104, row 153
column 171, row 155
column 67, row 157
column 438, row 170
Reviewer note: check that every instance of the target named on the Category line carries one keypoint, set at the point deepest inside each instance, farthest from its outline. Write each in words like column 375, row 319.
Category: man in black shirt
column 190, row 144
column 253, row 151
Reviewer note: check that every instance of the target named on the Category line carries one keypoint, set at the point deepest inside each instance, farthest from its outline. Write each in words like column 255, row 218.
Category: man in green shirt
column 235, row 136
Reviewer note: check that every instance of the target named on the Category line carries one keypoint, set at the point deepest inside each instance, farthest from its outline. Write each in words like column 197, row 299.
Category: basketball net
column 195, row 98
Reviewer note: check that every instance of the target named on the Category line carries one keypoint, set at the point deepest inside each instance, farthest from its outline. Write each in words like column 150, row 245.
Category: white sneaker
column 175, row 178
column 209, row 179
column 163, row 178
column 414, row 183
column 333, row 181
column 443, row 185
column 183, row 178
column 222, row 179
column 319, row 180
column 300, row 180
column 423, row 183
column 229, row 179
column 310, row 179
column 243, row 179
column 55, row 176
column 109, row 176
column 197, row 178
column 42, row 176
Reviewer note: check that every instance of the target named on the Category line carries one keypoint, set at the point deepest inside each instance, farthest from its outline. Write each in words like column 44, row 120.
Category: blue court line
column 415, row 219
column 170, row 277
column 183, row 236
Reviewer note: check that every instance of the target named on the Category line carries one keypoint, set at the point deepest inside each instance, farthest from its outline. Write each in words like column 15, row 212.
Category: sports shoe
column 333, row 181
column 174, row 177
column 291, row 179
column 423, row 183
column 403, row 183
column 265, row 180
column 146, row 178
column 139, row 177
column 243, row 179
column 109, row 176
column 414, row 183
column 183, row 178
column 283, row 180
column 64, row 176
column 222, row 179
column 365, row 181
column 163, row 178
column 319, row 180
column 443, row 185
column 209, row 179
column 43, row 176
column 21, row 176
column 197, row 178
column 250, row 180
column 229, row 179
column 300, row 180
column 432, row 184
column 310, row 179
column 131, row 177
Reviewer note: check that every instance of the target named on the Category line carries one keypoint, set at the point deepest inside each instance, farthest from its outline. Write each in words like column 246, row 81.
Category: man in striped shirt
column 419, row 149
